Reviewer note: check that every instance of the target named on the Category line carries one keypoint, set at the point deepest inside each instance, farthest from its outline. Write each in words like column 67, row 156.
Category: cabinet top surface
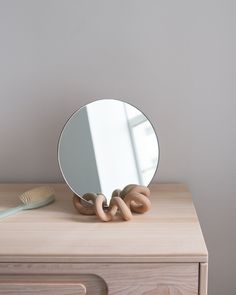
column 169, row 232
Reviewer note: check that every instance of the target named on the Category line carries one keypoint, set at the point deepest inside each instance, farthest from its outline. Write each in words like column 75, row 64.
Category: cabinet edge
column 203, row 278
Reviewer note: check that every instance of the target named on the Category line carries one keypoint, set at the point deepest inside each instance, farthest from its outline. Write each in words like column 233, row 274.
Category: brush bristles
column 37, row 194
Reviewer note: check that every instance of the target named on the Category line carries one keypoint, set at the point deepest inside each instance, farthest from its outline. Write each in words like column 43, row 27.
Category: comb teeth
column 37, row 194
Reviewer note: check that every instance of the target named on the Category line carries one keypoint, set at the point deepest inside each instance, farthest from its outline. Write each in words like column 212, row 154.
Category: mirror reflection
column 106, row 145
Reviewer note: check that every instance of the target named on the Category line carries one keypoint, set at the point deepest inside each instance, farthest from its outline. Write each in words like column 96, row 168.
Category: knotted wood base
column 133, row 198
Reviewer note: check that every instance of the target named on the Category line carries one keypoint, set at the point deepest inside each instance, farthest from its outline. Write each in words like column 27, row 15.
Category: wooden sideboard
column 54, row 250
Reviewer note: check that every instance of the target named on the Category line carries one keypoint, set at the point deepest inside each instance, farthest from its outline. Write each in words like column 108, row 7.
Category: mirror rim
column 75, row 112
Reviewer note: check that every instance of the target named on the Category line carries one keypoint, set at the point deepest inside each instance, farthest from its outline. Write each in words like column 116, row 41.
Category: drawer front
column 60, row 284
column 101, row 278
column 41, row 288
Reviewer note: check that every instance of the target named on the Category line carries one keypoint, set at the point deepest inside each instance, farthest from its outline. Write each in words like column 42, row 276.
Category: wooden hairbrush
column 32, row 199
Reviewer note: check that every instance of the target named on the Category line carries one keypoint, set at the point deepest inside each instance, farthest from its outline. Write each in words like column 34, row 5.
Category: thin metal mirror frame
column 58, row 160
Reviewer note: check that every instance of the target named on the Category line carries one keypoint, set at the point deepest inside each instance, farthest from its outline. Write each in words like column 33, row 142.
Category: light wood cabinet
column 53, row 250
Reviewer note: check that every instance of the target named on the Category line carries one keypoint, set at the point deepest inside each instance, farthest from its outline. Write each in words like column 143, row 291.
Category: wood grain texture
column 169, row 232
column 203, row 278
column 120, row 279
column 41, row 288
column 69, row 282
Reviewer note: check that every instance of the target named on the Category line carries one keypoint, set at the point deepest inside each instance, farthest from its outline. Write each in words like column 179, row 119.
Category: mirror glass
column 107, row 145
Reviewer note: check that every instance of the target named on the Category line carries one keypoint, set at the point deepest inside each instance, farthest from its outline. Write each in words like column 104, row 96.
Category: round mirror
column 107, row 145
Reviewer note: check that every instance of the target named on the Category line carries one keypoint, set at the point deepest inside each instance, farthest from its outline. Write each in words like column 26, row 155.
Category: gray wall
column 175, row 60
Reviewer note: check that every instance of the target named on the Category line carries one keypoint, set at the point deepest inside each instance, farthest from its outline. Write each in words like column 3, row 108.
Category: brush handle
column 11, row 211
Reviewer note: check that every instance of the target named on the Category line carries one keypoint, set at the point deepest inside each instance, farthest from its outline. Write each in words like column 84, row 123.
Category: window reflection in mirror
column 106, row 145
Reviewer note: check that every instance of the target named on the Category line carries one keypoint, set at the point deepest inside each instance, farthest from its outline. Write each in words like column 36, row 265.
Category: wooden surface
column 169, row 232
column 203, row 279
column 41, row 288
column 116, row 278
